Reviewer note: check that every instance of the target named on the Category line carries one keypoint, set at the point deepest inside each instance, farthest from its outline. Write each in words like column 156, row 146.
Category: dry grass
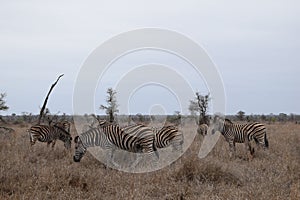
column 42, row 173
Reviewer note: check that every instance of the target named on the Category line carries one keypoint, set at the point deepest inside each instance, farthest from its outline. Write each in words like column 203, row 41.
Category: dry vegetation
column 42, row 173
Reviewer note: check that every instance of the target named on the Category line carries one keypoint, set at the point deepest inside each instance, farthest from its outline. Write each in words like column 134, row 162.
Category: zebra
column 110, row 136
column 49, row 134
column 95, row 137
column 64, row 125
column 168, row 136
column 242, row 133
column 202, row 129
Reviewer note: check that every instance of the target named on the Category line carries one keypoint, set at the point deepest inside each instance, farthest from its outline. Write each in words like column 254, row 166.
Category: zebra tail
column 266, row 141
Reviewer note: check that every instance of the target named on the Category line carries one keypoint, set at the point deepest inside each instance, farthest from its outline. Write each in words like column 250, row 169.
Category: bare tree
column 42, row 113
column 3, row 105
column 112, row 107
column 199, row 106
column 3, row 102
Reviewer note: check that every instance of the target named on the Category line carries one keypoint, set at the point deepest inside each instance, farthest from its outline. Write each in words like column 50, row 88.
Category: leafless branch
column 46, row 99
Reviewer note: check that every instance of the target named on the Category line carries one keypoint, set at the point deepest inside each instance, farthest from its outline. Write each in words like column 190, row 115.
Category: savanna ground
column 41, row 173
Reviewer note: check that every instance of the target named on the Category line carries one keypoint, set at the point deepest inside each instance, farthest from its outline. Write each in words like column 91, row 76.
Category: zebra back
column 94, row 137
column 143, row 136
column 133, row 138
column 248, row 129
column 168, row 135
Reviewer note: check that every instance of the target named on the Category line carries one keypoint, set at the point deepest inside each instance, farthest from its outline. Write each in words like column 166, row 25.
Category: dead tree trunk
column 46, row 99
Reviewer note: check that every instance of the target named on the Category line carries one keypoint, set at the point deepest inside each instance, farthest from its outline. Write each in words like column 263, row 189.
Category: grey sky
column 255, row 45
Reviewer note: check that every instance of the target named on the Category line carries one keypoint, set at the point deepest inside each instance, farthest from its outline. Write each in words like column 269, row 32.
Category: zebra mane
column 60, row 128
column 228, row 121
column 106, row 123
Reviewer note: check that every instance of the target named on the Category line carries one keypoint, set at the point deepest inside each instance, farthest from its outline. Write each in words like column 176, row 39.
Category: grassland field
column 39, row 172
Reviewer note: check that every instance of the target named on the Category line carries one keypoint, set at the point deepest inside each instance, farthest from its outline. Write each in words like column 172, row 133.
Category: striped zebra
column 202, row 129
column 111, row 136
column 242, row 133
column 49, row 134
column 168, row 136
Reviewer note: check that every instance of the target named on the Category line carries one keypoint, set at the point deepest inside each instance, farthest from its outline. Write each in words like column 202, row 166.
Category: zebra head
column 68, row 142
column 79, row 149
column 219, row 124
column 66, row 138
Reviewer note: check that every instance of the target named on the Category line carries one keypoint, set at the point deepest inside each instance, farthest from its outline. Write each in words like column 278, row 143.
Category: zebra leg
column 249, row 149
column 259, row 143
column 262, row 142
column 53, row 143
column 137, row 160
column 232, row 149
column 177, row 148
column 266, row 142
column 146, row 157
column 178, row 145
column 32, row 140
column 156, row 161
column 110, row 159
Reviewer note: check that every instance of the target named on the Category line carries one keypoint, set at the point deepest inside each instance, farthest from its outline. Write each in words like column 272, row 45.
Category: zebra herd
column 139, row 138
column 135, row 138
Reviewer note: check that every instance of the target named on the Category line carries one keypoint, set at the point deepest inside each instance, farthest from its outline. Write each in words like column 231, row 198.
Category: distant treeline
column 271, row 118
column 176, row 118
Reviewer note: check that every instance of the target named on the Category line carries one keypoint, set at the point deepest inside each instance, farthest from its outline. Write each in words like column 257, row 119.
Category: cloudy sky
column 254, row 44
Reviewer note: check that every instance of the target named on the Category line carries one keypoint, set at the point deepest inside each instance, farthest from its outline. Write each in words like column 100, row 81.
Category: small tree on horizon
column 240, row 115
column 112, row 107
column 199, row 106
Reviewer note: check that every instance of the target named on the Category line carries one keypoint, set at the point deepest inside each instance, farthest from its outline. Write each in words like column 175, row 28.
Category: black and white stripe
column 242, row 133
column 91, row 138
column 168, row 136
column 110, row 136
column 49, row 134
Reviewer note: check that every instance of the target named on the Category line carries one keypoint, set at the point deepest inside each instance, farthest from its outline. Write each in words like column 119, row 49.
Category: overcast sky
column 254, row 44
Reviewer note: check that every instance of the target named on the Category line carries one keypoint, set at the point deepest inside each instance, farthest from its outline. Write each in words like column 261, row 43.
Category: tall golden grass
column 39, row 172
